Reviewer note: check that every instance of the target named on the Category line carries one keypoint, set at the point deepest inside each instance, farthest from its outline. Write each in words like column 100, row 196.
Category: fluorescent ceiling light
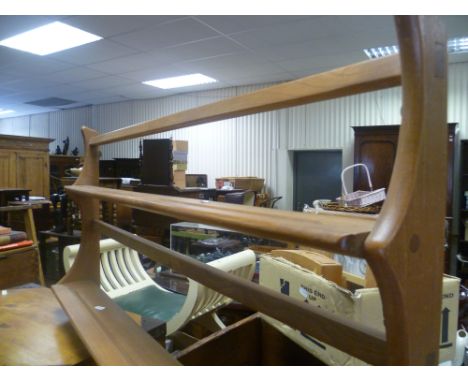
column 6, row 111
column 381, row 51
column 456, row 45
column 50, row 38
column 181, row 81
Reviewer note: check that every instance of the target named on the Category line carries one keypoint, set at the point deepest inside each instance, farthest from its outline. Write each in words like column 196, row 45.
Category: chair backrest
column 201, row 300
column 122, row 273
column 121, row 269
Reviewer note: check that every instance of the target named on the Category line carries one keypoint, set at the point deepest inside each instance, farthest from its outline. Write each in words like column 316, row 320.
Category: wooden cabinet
column 462, row 265
column 59, row 164
column 376, row 146
column 24, row 163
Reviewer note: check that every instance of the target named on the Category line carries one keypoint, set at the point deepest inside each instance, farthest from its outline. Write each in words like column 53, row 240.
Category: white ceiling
column 235, row 50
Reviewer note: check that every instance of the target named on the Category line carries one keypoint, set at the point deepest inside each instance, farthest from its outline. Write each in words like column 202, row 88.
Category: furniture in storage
column 21, row 265
column 24, row 163
column 462, row 266
column 376, row 147
column 124, row 279
column 59, row 166
column 402, row 245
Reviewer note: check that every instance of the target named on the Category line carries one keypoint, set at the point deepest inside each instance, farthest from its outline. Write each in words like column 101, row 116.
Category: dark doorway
column 316, row 176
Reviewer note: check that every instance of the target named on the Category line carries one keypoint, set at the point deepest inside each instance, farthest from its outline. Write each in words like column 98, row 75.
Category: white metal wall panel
column 39, row 125
column 68, row 123
column 15, row 126
column 244, row 146
column 327, row 124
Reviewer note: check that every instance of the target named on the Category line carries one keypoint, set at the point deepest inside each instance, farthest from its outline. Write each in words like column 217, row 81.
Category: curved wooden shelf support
column 404, row 245
column 405, row 248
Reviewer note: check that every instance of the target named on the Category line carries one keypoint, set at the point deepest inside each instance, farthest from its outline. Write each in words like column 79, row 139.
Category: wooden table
column 34, row 330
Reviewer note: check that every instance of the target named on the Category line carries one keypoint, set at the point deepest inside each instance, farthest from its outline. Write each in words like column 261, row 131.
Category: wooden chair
column 21, row 265
column 403, row 245
column 124, row 279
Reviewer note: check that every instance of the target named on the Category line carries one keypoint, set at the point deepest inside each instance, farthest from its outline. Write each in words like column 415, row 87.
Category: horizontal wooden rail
column 351, row 337
column 109, row 334
column 357, row 78
column 341, row 234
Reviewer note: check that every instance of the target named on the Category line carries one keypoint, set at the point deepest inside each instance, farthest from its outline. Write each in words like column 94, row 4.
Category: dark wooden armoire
column 376, row 146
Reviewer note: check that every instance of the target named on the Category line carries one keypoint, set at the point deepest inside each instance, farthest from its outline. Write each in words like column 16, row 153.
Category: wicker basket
column 360, row 198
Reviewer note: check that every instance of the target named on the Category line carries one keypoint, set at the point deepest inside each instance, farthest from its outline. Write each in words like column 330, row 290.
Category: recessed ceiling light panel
column 50, row 38
column 181, row 81
column 458, row 45
column 6, row 111
column 381, row 51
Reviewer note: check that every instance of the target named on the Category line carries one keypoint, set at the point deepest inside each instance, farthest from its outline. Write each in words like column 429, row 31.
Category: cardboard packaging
column 316, row 262
column 242, row 182
column 179, row 179
column 181, row 146
column 363, row 305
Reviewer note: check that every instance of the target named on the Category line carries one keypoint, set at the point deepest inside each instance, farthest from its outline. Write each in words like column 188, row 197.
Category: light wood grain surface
column 352, row 79
column 340, row 233
column 34, row 330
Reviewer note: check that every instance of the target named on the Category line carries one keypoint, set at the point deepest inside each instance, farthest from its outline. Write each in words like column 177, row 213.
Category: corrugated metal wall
column 256, row 145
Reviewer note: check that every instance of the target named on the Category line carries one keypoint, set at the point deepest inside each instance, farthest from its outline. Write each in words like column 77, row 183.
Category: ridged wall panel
column 252, row 145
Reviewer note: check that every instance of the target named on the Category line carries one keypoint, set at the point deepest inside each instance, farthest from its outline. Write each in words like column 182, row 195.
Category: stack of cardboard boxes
column 179, row 164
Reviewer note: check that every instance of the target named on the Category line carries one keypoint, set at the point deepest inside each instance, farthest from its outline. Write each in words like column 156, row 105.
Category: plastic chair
column 125, row 280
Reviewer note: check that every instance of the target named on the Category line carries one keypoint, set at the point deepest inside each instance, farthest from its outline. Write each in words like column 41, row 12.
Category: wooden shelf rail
column 341, row 233
column 403, row 246
column 353, row 79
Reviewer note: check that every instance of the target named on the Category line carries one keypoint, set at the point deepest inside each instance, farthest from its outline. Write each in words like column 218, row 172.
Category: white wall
column 258, row 145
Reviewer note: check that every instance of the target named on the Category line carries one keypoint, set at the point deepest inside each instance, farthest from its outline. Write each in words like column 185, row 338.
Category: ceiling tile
column 35, row 66
column 108, row 26
column 75, row 74
column 233, row 24
column 29, row 84
column 92, row 95
column 234, row 49
column 456, row 25
column 139, row 61
column 203, row 49
column 94, row 52
column 138, row 91
column 165, row 35
column 329, row 61
column 103, row 82
column 156, row 73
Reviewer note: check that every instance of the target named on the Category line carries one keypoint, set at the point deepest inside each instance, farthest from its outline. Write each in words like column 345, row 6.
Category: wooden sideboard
column 24, row 163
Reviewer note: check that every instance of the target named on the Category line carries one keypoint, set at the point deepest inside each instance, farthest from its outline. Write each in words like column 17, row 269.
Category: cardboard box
column 179, row 179
column 318, row 263
column 242, row 182
column 179, row 167
column 363, row 305
column 180, row 146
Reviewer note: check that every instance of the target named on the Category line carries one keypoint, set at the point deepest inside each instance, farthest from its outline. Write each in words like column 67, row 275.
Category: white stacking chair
column 125, row 280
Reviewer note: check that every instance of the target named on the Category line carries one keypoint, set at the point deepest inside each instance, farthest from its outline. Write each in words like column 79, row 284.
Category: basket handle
column 352, row 166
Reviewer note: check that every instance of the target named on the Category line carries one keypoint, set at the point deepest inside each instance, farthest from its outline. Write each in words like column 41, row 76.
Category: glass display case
column 207, row 243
